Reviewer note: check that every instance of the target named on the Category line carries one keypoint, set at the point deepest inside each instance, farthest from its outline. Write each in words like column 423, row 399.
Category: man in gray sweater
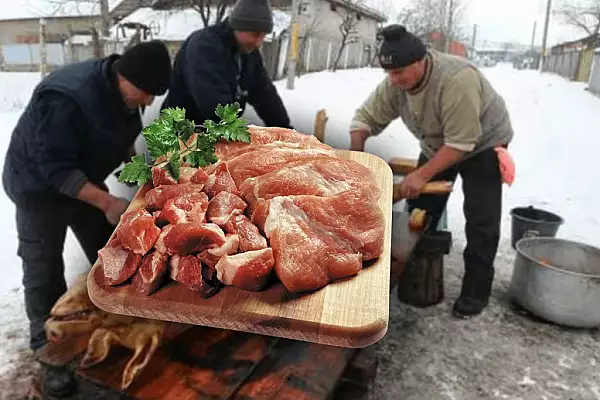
column 459, row 120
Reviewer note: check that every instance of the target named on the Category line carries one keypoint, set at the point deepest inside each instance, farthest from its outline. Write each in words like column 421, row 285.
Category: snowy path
column 426, row 353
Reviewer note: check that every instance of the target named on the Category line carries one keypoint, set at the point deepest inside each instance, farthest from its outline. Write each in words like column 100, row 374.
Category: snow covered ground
column 426, row 354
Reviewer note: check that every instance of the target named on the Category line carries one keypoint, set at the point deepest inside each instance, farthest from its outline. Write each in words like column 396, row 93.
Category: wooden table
column 208, row 363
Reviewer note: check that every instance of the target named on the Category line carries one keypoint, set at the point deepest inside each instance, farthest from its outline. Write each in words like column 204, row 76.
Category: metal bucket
column 558, row 280
column 530, row 221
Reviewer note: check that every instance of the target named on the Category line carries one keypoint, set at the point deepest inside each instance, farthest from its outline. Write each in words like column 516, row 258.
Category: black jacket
column 209, row 69
column 76, row 128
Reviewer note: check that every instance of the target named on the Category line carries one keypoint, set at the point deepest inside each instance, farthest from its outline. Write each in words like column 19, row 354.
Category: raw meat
column 212, row 256
column 310, row 247
column 161, row 176
column 220, row 181
column 150, row 275
column 248, row 271
column 137, row 231
column 187, row 270
column 157, row 197
column 160, row 243
column 325, row 177
column 192, row 175
column 250, row 237
column 189, row 207
column 223, row 207
column 192, row 237
column 200, row 177
column 264, row 161
column 118, row 264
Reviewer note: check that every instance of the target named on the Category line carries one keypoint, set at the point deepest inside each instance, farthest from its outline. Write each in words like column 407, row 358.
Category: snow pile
column 176, row 25
column 15, row 90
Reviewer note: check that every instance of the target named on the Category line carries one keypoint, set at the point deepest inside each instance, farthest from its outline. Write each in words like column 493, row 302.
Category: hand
column 412, row 185
column 116, row 208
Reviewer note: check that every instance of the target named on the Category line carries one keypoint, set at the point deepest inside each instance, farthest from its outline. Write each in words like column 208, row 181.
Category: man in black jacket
column 79, row 126
column 222, row 64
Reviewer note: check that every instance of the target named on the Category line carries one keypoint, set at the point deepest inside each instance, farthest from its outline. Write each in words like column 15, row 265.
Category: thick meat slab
column 157, row 197
column 137, row 231
column 264, row 161
column 250, row 237
column 325, row 177
column 212, row 256
column 149, row 277
column 248, row 271
column 161, row 176
column 189, row 207
column 118, row 264
column 307, row 255
column 223, row 207
column 220, row 181
column 192, row 237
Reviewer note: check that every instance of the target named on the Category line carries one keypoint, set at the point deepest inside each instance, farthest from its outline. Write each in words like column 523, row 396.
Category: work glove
column 507, row 165
column 116, row 209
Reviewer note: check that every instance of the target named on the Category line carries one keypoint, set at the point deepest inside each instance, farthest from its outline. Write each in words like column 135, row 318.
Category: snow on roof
column 176, row 25
column 23, row 9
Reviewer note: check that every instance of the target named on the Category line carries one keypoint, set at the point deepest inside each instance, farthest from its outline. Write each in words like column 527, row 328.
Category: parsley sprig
column 168, row 134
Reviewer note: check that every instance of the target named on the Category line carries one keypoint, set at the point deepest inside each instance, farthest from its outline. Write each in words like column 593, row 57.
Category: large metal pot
column 558, row 280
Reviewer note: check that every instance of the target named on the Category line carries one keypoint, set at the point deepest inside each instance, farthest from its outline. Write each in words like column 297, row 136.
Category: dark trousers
column 41, row 232
column 482, row 188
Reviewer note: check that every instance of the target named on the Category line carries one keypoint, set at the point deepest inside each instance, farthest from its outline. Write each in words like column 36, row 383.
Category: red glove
column 507, row 165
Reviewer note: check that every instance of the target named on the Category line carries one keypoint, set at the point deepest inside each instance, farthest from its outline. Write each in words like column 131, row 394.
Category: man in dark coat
column 222, row 64
column 79, row 126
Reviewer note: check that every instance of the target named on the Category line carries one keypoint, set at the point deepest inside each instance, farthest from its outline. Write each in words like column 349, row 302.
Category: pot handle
column 531, row 234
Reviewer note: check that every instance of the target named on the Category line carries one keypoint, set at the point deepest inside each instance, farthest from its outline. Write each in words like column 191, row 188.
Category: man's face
column 132, row 96
column 249, row 41
column 408, row 77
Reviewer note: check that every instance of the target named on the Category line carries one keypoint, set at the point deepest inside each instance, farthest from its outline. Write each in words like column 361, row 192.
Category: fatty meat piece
column 189, row 207
column 137, row 231
column 250, row 237
column 157, row 197
column 118, row 264
column 223, row 207
column 247, row 271
column 212, row 256
column 150, row 275
column 191, row 237
column 160, row 176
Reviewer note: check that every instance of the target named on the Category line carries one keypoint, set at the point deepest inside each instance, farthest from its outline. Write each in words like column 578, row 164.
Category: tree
column 309, row 32
column 423, row 17
column 348, row 22
column 211, row 11
column 582, row 14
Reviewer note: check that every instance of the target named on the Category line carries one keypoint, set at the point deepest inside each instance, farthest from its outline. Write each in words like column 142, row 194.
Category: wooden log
column 403, row 166
column 320, row 124
column 422, row 281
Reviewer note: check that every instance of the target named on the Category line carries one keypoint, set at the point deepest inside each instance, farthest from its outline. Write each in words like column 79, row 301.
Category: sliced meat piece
column 189, row 207
column 118, row 264
column 149, row 277
column 157, row 197
column 160, row 176
column 247, row 271
column 187, row 270
column 325, row 177
column 223, row 207
column 137, row 231
column 212, row 256
column 220, row 181
column 250, row 237
column 307, row 256
column 192, row 237
column 160, row 243
column 264, row 161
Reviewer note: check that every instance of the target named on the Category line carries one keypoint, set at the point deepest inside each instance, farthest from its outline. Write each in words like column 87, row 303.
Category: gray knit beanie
column 252, row 16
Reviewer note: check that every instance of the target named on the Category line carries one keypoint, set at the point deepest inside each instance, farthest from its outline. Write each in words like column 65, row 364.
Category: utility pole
column 105, row 17
column 293, row 45
column 43, row 52
column 545, row 36
column 533, row 37
column 449, row 27
column 474, row 40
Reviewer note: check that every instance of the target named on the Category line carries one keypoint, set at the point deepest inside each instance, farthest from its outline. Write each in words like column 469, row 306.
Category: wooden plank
column 320, row 124
column 403, row 166
column 348, row 313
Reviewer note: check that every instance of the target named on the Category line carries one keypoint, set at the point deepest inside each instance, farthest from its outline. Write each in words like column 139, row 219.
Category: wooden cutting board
column 349, row 313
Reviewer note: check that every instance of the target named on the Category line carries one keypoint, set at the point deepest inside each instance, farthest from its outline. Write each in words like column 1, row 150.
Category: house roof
column 362, row 9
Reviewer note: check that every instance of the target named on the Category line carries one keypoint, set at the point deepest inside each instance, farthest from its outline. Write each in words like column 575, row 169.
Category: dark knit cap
column 400, row 48
column 148, row 66
column 252, row 16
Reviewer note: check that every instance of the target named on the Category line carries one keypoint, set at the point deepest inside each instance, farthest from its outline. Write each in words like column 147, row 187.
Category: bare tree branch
column 348, row 24
column 423, row 17
column 582, row 14
column 211, row 11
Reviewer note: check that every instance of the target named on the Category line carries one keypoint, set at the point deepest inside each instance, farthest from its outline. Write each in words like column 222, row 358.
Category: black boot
column 467, row 307
column 57, row 382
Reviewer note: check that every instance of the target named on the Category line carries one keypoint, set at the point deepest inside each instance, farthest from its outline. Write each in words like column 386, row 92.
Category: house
column 573, row 60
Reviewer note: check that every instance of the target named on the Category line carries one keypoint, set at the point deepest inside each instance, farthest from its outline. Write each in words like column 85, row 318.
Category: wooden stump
column 422, row 281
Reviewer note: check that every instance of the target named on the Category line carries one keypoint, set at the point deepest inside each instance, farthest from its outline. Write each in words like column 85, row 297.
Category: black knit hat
column 400, row 48
column 148, row 66
column 252, row 16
